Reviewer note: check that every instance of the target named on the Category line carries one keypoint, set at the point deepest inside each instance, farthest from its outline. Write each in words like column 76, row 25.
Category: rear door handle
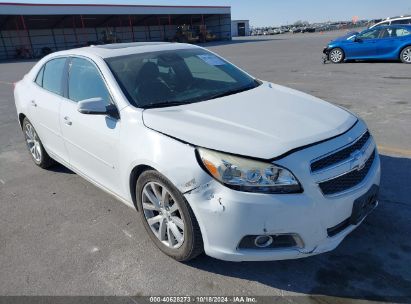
column 33, row 103
column 67, row 121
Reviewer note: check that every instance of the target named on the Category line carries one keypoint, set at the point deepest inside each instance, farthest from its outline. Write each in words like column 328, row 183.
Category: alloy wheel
column 163, row 214
column 33, row 142
column 336, row 55
column 407, row 55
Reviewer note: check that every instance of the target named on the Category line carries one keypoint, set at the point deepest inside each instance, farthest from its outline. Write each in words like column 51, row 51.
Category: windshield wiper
column 164, row 104
column 232, row 92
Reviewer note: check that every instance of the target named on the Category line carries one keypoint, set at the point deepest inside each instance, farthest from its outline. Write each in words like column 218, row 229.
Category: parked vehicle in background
column 211, row 157
column 378, row 43
column 295, row 30
column 278, row 31
column 402, row 20
column 308, row 29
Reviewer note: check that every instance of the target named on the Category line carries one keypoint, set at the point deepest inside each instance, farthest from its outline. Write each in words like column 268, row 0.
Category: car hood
column 344, row 38
column 264, row 122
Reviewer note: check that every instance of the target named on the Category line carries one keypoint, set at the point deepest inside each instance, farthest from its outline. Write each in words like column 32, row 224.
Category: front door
column 364, row 46
column 92, row 141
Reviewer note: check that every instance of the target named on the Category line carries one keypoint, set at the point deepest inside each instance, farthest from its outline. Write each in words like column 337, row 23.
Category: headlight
column 248, row 175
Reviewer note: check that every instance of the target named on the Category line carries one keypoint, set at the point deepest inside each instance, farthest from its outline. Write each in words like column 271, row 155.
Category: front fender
column 174, row 159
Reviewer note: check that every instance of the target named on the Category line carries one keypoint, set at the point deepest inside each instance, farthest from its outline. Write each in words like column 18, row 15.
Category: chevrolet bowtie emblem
column 358, row 160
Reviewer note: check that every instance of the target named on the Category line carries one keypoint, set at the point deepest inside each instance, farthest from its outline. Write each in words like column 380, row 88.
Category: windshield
column 167, row 78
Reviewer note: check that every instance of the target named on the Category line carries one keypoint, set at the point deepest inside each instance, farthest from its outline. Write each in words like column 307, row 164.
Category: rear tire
column 35, row 146
column 406, row 55
column 173, row 226
column 336, row 55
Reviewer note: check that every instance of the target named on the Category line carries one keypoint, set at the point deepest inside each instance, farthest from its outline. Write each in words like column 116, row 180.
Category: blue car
column 379, row 43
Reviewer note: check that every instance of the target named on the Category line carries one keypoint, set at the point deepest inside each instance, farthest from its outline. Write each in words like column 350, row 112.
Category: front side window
column 85, row 81
column 371, row 34
column 53, row 75
column 167, row 78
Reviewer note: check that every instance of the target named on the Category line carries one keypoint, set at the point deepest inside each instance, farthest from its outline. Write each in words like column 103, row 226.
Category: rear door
column 92, row 141
column 391, row 40
column 365, row 46
column 45, row 105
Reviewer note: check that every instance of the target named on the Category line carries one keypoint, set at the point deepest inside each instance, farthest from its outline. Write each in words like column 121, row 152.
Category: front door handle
column 67, row 121
column 33, row 103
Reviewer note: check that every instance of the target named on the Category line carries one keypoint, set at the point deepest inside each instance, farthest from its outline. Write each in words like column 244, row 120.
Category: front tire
column 35, row 146
column 167, row 217
column 337, row 55
column 406, row 55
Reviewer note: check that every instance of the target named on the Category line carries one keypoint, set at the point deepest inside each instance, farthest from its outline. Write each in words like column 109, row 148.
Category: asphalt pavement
column 60, row 235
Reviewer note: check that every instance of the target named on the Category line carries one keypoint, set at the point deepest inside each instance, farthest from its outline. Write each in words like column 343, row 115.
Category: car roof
column 407, row 26
column 399, row 17
column 391, row 20
column 124, row 49
column 395, row 19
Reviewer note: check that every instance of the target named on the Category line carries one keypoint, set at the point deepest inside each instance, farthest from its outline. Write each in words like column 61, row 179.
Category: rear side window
column 52, row 75
column 85, row 81
column 401, row 32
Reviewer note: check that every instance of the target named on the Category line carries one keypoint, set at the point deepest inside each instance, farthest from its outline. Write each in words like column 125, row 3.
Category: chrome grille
column 348, row 180
column 341, row 155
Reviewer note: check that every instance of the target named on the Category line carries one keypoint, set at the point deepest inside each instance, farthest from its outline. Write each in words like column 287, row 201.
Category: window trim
column 43, row 67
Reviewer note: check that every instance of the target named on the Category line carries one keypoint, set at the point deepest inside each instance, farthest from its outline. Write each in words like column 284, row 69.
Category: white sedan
column 213, row 159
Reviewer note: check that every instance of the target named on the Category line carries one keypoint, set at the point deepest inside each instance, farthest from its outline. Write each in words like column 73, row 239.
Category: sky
column 280, row 12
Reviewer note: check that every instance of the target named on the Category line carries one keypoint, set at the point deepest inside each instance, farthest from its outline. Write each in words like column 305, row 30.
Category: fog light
column 263, row 241
column 276, row 241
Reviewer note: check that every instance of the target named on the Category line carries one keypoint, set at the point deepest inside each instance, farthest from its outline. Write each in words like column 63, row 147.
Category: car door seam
column 91, row 154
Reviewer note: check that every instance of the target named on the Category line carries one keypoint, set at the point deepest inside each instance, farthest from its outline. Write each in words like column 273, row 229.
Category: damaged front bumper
column 227, row 216
column 326, row 56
